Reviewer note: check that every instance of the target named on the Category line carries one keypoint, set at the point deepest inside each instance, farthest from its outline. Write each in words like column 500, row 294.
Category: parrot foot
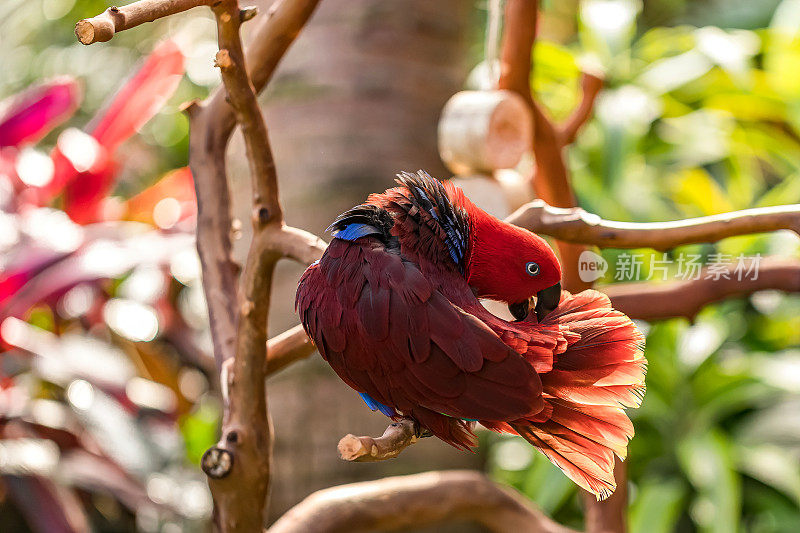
column 421, row 432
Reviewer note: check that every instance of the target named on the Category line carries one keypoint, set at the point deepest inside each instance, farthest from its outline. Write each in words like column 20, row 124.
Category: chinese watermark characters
column 682, row 266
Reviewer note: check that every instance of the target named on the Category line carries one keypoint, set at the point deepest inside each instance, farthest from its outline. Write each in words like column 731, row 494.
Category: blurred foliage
column 700, row 115
column 39, row 43
column 692, row 121
column 106, row 378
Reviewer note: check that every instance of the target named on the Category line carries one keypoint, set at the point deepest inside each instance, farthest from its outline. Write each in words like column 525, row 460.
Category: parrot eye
column 532, row 269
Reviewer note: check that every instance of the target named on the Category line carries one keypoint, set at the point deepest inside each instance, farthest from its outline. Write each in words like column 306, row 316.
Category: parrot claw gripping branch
column 238, row 467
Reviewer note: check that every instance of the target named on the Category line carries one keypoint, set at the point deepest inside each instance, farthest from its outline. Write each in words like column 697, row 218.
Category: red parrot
column 393, row 306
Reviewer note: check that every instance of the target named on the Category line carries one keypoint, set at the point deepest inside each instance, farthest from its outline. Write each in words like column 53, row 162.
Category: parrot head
column 510, row 264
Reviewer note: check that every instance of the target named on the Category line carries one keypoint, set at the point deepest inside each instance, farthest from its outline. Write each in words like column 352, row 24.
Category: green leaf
column 200, row 428
column 707, row 461
column 772, row 465
column 657, row 507
column 547, row 485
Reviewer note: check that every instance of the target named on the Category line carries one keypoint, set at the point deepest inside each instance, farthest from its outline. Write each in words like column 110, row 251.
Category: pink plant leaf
column 134, row 104
column 140, row 98
column 30, row 115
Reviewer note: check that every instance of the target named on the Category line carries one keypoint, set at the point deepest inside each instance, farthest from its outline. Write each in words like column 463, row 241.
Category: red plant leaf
column 140, row 98
column 132, row 106
column 30, row 115
column 177, row 184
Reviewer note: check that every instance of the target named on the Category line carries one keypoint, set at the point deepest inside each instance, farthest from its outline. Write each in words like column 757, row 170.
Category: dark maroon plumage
column 391, row 309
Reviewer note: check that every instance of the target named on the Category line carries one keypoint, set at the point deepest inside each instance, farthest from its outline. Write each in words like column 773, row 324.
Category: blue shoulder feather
column 355, row 231
column 375, row 406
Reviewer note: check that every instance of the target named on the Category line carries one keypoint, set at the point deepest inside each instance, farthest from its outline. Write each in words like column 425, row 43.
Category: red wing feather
column 387, row 331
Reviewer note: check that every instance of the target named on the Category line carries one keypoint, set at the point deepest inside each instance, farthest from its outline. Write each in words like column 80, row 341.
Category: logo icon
column 591, row 266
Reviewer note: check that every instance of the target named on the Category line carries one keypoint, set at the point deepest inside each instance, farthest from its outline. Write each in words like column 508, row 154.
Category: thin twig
column 590, row 88
column 102, row 27
column 411, row 502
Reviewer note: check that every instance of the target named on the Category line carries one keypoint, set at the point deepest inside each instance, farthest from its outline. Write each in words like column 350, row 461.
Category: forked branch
column 239, row 465
column 590, row 88
column 212, row 123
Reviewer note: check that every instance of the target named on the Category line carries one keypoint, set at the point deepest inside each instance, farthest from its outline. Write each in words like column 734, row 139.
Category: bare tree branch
column 609, row 515
column 208, row 140
column 576, row 225
column 590, row 86
column 290, row 346
column 238, row 467
column 519, row 35
column 410, row 502
column 102, row 27
column 300, row 245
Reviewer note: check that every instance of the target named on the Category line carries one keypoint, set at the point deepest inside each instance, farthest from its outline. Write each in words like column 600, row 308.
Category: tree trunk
column 356, row 99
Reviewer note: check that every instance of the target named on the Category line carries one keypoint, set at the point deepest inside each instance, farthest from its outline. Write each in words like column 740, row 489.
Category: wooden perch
column 658, row 301
column 410, row 502
column 576, row 225
column 102, row 27
column 397, row 437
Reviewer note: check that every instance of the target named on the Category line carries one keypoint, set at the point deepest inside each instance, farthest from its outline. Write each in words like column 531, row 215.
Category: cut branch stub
column 481, row 131
column 397, row 437
column 217, row 462
column 247, row 13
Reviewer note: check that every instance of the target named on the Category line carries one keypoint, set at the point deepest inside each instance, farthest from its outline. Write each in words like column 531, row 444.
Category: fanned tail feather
column 597, row 375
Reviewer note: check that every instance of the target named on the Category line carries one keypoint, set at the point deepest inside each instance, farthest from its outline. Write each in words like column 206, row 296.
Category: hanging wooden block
column 499, row 195
column 486, row 192
column 518, row 188
column 481, row 131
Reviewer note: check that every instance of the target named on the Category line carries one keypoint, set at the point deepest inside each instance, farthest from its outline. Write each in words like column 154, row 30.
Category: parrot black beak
column 519, row 310
column 547, row 300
